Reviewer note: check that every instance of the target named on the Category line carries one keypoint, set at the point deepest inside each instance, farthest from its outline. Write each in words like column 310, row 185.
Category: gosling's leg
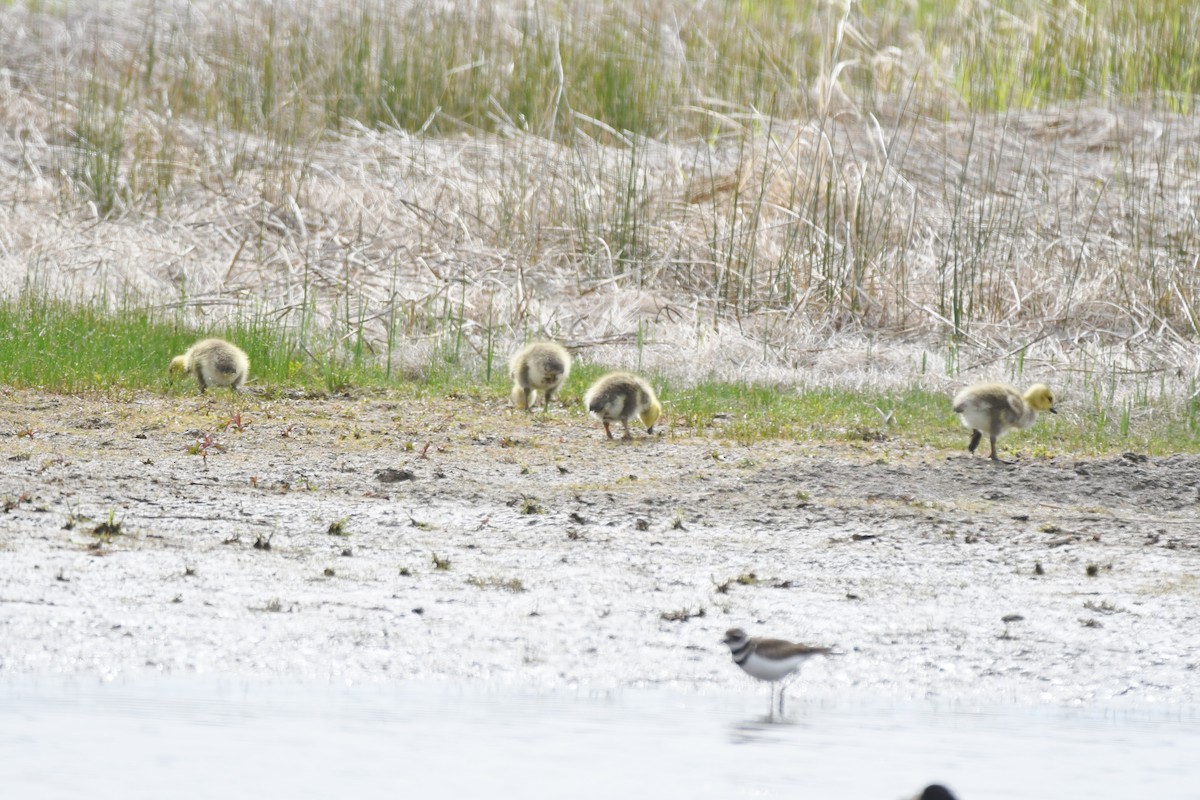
column 606, row 429
column 628, row 433
column 976, row 436
column 526, row 393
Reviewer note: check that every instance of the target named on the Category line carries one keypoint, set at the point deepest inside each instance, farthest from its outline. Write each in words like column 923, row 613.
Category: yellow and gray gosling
column 538, row 370
column 214, row 362
column 994, row 408
column 621, row 397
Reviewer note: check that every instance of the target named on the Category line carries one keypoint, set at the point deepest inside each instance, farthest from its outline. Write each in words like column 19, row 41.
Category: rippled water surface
column 177, row 737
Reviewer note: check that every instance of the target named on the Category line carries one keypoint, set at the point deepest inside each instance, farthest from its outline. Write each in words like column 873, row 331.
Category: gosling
column 214, row 362
column 994, row 408
column 538, row 370
column 620, row 397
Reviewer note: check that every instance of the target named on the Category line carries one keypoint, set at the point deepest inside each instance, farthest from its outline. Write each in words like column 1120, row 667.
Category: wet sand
column 373, row 539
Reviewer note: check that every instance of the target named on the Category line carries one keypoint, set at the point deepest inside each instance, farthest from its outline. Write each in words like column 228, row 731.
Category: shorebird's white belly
column 772, row 669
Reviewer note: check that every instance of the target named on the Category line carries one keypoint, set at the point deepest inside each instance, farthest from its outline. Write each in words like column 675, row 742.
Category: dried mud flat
column 371, row 538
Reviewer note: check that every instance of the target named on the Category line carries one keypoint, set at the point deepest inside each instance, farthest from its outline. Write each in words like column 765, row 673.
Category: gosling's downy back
column 540, row 369
column 622, row 397
column 214, row 362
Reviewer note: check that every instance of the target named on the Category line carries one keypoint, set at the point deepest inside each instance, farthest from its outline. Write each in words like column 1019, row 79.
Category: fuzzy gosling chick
column 214, row 362
column 621, row 397
column 994, row 408
column 538, row 370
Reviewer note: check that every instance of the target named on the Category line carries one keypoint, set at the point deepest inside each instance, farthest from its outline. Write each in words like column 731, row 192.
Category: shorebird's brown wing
column 778, row 648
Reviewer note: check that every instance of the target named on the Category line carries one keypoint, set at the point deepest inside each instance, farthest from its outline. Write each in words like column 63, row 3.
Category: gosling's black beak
column 1053, row 410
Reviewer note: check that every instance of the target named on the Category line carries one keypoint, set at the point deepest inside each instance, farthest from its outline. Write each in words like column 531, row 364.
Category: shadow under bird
column 621, row 397
column 214, row 362
column 538, row 370
column 770, row 660
column 993, row 408
column 935, row 791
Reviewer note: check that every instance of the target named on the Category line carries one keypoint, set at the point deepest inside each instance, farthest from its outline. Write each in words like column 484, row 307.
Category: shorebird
column 769, row 660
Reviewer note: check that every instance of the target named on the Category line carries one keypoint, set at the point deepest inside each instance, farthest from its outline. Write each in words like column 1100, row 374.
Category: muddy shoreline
column 373, row 539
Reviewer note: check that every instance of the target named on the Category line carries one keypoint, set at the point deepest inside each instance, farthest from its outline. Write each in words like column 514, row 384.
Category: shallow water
column 198, row 737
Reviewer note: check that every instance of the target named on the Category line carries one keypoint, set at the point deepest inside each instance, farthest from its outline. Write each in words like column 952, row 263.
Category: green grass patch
column 67, row 346
column 63, row 346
